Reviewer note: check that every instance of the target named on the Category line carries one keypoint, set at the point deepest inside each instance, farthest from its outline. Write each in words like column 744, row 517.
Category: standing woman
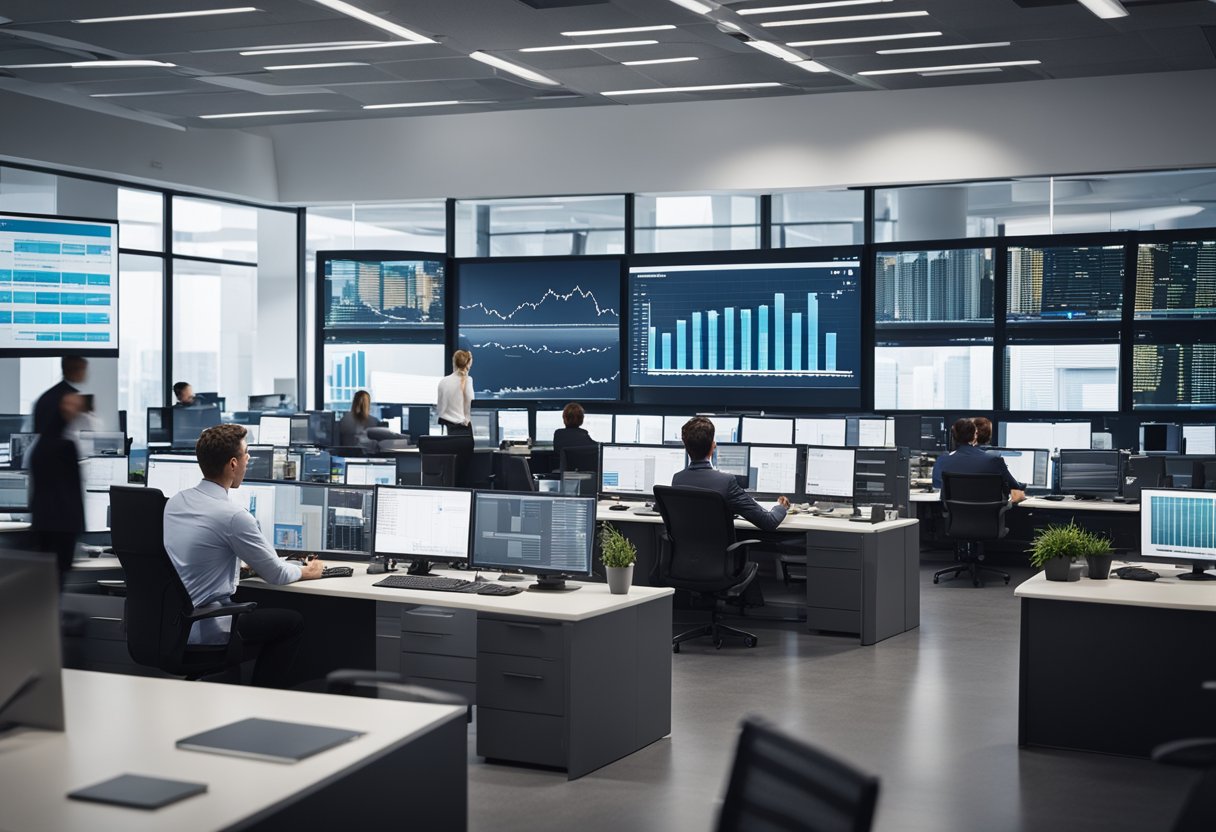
column 456, row 395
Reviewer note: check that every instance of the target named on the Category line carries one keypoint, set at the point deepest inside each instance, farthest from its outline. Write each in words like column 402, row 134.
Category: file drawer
column 439, row 667
column 517, row 683
column 520, row 638
column 835, row 588
column 418, row 618
column 524, row 738
column 442, row 644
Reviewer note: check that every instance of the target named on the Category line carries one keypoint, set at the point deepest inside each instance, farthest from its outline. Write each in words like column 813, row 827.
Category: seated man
column 184, row 394
column 966, row 458
column 698, row 436
column 572, row 435
column 207, row 537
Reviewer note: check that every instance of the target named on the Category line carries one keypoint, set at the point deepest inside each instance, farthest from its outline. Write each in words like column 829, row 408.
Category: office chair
column 481, row 469
column 347, row 451
column 973, row 510
column 781, row 783
column 159, row 612
column 519, row 475
column 580, row 458
column 460, row 446
column 1198, row 812
column 439, row 470
column 702, row 556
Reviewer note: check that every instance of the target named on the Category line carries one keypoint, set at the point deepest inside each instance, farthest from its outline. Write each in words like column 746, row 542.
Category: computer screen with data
column 275, row 430
column 1028, row 466
column 733, row 459
column 773, row 470
column 768, row 431
column 875, row 433
column 1052, row 436
column 1179, row 527
column 1091, row 473
column 310, row 517
column 371, row 472
column 637, row 429
column 538, row 533
column 1200, row 439
column 14, row 491
column 634, row 470
column 829, row 474
column 513, row 426
column 425, row 523
column 190, row 422
column 171, row 474
column 826, row 432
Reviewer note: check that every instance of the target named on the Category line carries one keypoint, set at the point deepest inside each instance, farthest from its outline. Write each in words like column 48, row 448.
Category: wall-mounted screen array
column 1064, row 283
column 387, row 294
column 1176, row 280
column 1169, row 376
column 58, row 286
column 776, row 326
column 542, row 329
column 404, row 373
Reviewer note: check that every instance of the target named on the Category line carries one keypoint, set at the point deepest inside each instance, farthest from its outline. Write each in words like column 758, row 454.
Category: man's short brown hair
column 572, row 415
column 218, row 446
column 698, row 436
column 983, row 430
column 963, row 432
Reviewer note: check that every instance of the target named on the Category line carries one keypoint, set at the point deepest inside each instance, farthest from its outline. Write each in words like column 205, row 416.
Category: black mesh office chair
column 519, row 475
column 1198, row 812
column 159, row 613
column 701, row 555
column 782, row 784
column 481, row 470
column 439, row 470
column 580, row 458
column 973, row 511
column 459, row 446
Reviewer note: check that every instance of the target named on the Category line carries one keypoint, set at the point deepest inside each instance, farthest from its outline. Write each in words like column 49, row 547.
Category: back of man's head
column 983, row 430
column 216, row 447
column 698, row 436
column 74, row 367
column 572, row 415
column 963, row 432
column 180, row 388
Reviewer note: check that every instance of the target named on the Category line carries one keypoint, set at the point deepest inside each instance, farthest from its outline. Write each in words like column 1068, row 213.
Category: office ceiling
column 210, row 78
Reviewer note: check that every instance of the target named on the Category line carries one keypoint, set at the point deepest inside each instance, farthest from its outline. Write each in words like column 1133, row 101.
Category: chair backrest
column 460, row 446
column 439, row 470
column 700, row 527
column 974, row 506
column 580, row 458
column 519, row 475
column 781, row 783
column 157, row 601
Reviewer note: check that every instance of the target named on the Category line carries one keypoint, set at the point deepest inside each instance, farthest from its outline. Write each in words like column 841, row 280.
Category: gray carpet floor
column 933, row 712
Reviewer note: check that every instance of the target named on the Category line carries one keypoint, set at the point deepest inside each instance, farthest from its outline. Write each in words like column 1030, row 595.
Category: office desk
column 572, row 680
column 862, row 578
column 412, row 754
column 14, row 526
column 1116, row 666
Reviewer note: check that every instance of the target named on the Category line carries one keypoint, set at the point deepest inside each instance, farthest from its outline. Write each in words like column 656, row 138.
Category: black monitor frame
column 799, row 471
column 1199, row 565
column 420, row 564
column 830, row 499
column 328, row 554
column 1074, row 456
column 548, row 578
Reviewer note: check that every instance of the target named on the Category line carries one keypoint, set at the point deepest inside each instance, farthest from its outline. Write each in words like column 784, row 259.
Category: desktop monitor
column 11, row 423
column 98, row 473
column 823, row 432
column 96, row 511
column 31, row 682
column 275, row 430
column 261, row 462
column 409, row 469
column 1179, row 527
column 637, row 429
column 423, row 525
column 485, row 428
column 1096, row 474
column 321, row 429
column 874, row 433
column 549, row 535
column 1052, row 436
column 1199, row 440
column 1160, row 438
column 371, row 472
column 548, row 421
column 765, row 431
column 881, row 478
column 310, row 518
column 315, row 466
column 418, row 420
column 171, row 474
column 19, row 444
column 513, row 426
column 14, row 491
column 1028, row 466
column 732, row 459
column 190, row 422
column 829, row 475
column 772, row 471
column 160, row 425
column 597, row 425
column 210, row 399
column 634, row 470
column 98, row 442
column 1141, row 472
column 269, row 401
column 726, row 428
column 1181, row 469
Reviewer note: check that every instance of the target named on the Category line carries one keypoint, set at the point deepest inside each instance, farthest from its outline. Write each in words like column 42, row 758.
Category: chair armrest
column 1192, row 753
column 224, row 611
column 750, row 570
column 732, row 547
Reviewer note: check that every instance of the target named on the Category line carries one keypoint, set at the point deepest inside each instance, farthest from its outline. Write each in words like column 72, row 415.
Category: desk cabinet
column 430, row 646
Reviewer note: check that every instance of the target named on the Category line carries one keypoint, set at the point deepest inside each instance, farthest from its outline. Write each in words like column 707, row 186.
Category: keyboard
column 436, row 584
column 337, row 572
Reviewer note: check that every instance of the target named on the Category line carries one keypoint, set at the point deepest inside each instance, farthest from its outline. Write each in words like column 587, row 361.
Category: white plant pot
column 620, row 578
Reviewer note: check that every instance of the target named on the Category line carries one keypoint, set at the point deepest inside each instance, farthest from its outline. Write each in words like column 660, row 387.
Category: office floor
column 933, row 712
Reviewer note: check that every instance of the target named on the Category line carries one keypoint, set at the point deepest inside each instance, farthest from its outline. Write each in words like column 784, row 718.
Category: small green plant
column 1069, row 541
column 615, row 548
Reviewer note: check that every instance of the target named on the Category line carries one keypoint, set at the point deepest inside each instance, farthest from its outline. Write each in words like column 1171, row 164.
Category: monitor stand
column 1197, row 573
column 418, row 567
column 552, row 583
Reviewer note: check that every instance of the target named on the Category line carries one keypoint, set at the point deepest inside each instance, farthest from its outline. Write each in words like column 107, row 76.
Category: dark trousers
column 62, row 544
column 274, row 635
column 458, row 430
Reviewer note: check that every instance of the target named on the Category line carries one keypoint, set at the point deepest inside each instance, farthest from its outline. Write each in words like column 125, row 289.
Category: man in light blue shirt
column 207, row 537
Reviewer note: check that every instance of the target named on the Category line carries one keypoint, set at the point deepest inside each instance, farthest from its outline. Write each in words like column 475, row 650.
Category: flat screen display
column 398, row 294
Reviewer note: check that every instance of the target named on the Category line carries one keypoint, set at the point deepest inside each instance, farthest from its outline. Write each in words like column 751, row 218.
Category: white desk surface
column 103, row 562
column 791, row 523
column 590, row 600
column 128, row 725
column 1167, row 591
column 13, row 525
column 1067, row 504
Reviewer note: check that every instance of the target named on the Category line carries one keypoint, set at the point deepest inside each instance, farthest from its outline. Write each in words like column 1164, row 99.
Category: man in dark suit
column 698, row 436
column 966, row 458
column 56, row 498
column 47, row 413
column 572, row 435
column 184, row 393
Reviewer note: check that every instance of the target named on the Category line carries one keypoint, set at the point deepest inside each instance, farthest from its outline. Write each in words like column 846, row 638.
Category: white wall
column 985, row 131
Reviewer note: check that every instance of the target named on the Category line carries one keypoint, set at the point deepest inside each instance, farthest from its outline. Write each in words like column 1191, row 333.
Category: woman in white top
column 456, row 395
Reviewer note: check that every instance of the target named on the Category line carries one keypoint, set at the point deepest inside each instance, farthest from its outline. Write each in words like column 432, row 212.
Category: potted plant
column 618, row 556
column 1098, row 556
column 1054, row 549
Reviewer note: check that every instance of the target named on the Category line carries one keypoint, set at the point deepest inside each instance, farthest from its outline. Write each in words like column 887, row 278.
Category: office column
column 666, row 350
column 745, row 335
column 812, row 331
column 779, row 331
column 650, row 346
column 681, row 345
column 713, row 339
column 696, row 340
column 829, row 348
column 796, row 341
column 762, row 353
column 729, row 349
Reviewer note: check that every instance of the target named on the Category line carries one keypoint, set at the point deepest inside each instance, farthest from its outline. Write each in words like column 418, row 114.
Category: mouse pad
column 138, row 791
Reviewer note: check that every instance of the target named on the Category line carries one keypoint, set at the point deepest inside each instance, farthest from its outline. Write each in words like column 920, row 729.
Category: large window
column 707, row 222
column 818, row 218
column 215, row 318
column 141, row 218
column 531, row 226
column 141, row 344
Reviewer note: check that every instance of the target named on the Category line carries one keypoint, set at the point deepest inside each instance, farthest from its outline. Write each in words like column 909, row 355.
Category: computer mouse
column 618, row 507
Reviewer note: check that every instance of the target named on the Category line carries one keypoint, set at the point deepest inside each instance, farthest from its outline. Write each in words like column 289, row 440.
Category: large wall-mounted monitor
column 738, row 330
column 58, row 286
column 542, row 329
column 383, row 291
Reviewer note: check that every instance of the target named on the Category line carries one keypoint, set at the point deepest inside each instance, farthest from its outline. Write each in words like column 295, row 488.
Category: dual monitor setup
column 180, row 427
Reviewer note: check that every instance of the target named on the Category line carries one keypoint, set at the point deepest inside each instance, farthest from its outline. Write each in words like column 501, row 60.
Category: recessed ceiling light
column 167, row 15
column 694, row 6
column 705, row 88
column 342, row 7
column 132, row 94
column 868, row 39
column 295, row 49
column 806, row 7
column 920, row 69
column 514, row 69
column 106, row 64
column 812, row 66
column 1105, row 9
column 659, row 61
column 625, row 31
column 315, row 66
column 960, row 46
column 262, row 113
column 960, row 72
column 406, row 104
column 776, row 50
column 851, row 18
column 603, row 45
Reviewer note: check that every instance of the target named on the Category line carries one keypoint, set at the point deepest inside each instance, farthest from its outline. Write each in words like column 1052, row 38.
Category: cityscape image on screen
column 1067, row 377
column 542, row 330
column 1176, row 280
column 1174, row 376
column 933, row 286
column 1064, row 284
column 769, row 325
column 933, row 377
column 384, row 295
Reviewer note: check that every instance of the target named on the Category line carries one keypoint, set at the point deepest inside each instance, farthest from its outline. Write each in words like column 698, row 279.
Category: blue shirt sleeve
column 250, row 546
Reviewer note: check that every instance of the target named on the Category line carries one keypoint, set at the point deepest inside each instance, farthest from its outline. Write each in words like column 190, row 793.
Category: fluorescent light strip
column 167, row 15
column 262, row 113
column 605, row 45
column 806, row 7
column 920, row 69
column 628, row 30
column 514, row 69
column 1105, row 9
column 305, row 47
column 776, row 50
column 659, row 61
column 868, row 39
column 852, row 18
column 694, row 6
column 280, row 67
column 706, row 88
column 404, row 105
column 812, row 66
column 960, row 46
column 960, row 72
column 342, row 7
column 103, row 64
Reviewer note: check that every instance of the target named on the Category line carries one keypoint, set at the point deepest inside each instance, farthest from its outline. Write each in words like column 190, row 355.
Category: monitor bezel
column 532, row 570
column 631, row 495
column 810, row 496
column 1092, row 493
column 1146, row 509
column 428, row 558
column 327, row 554
column 799, row 471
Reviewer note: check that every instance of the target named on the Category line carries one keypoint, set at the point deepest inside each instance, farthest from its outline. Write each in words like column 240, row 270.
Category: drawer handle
column 523, row 676
column 522, row 626
column 428, row 635
column 103, row 618
column 436, row 614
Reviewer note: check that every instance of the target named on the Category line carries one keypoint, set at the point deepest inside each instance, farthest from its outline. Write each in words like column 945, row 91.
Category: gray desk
column 1115, row 666
column 862, row 578
column 411, row 755
column 569, row 680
